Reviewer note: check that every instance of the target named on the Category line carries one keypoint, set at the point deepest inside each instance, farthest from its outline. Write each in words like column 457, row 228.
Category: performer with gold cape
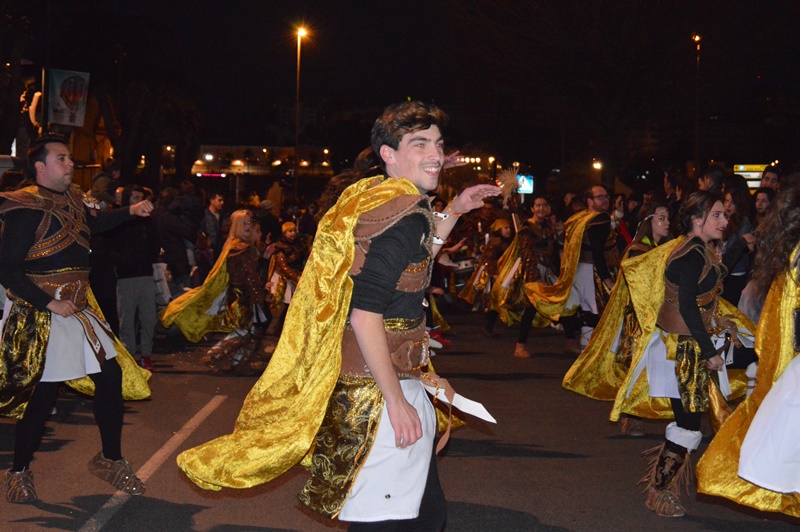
column 530, row 258
column 588, row 265
column 777, row 262
column 332, row 387
column 483, row 280
column 692, row 337
column 52, row 329
column 231, row 300
column 600, row 369
column 285, row 269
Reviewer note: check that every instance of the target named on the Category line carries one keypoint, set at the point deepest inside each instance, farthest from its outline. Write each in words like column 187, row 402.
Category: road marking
column 118, row 500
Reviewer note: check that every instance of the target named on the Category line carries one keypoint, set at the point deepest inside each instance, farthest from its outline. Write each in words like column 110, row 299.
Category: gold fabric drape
column 596, row 372
column 343, row 443
column 509, row 303
column 134, row 377
column 475, row 285
column 550, row 300
column 717, row 471
column 188, row 311
column 283, row 412
column 24, row 343
column 438, row 319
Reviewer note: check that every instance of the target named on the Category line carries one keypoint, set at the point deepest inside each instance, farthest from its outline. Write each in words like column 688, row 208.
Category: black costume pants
column 108, row 409
column 525, row 324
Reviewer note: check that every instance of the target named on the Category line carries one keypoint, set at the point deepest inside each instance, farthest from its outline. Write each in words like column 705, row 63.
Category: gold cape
column 717, row 471
column 550, row 300
column 596, row 372
column 476, row 284
column 644, row 276
column 188, row 311
column 283, row 412
column 134, row 377
column 438, row 319
column 509, row 302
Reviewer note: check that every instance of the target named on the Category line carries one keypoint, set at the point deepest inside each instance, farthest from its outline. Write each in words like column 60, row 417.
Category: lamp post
column 598, row 165
column 696, row 38
column 301, row 32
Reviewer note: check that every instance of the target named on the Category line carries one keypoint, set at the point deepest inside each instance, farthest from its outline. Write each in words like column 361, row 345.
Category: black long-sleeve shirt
column 375, row 287
column 18, row 236
column 685, row 273
column 598, row 232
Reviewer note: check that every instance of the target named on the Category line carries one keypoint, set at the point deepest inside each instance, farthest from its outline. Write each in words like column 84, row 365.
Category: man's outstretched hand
column 472, row 198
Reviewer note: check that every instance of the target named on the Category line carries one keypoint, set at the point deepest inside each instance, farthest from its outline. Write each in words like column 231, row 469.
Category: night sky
column 535, row 80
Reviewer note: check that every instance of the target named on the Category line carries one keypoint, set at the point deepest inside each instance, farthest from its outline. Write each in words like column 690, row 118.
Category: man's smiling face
column 419, row 158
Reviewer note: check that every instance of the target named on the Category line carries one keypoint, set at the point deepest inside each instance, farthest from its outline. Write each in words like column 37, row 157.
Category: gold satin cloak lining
column 509, row 303
column 282, row 414
column 550, row 300
column 188, row 311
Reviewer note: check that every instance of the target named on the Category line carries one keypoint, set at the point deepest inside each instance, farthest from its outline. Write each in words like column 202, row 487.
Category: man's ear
column 40, row 166
column 387, row 154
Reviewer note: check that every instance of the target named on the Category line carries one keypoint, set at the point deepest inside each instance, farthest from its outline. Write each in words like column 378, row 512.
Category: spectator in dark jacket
column 134, row 250
column 172, row 232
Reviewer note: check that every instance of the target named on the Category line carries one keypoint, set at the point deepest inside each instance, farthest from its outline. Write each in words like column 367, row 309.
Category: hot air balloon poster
column 67, row 96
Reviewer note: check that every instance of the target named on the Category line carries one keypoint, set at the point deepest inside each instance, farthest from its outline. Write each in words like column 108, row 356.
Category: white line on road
column 118, row 500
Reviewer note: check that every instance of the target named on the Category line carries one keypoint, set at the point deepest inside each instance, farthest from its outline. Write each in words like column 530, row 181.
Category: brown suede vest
column 669, row 316
column 408, row 339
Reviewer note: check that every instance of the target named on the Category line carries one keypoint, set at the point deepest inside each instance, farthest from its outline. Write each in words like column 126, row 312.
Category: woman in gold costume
column 750, row 461
column 230, row 300
column 696, row 346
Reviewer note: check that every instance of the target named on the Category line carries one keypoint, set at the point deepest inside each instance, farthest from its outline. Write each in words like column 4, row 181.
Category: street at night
column 553, row 461
column 233, row 235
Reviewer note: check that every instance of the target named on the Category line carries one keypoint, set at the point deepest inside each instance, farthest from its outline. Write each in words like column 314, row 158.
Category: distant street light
column 301, row 32
column 597, row 165
column 696, row 38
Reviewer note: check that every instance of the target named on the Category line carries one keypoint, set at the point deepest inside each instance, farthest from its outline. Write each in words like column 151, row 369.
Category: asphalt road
column 552, row 462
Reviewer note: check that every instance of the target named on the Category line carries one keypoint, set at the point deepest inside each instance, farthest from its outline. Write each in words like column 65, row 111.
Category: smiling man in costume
column 346, row 376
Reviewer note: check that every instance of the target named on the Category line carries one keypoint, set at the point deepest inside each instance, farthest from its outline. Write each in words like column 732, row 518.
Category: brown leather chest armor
column 408, row 338
column 669, row 316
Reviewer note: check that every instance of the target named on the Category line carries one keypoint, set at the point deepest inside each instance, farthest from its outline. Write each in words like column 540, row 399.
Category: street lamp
column 696, row 38
column 301, row 32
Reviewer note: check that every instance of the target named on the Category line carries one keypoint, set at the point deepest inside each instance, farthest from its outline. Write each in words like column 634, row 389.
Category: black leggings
column 525, row 324
column 108, row 409
column 432, row 511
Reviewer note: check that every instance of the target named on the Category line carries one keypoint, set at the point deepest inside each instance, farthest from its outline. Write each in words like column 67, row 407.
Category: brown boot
column 19, row 487
column 118, row 473
column 631, row 426
column 521, row 352
column 668, row 472
column 664, row 503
